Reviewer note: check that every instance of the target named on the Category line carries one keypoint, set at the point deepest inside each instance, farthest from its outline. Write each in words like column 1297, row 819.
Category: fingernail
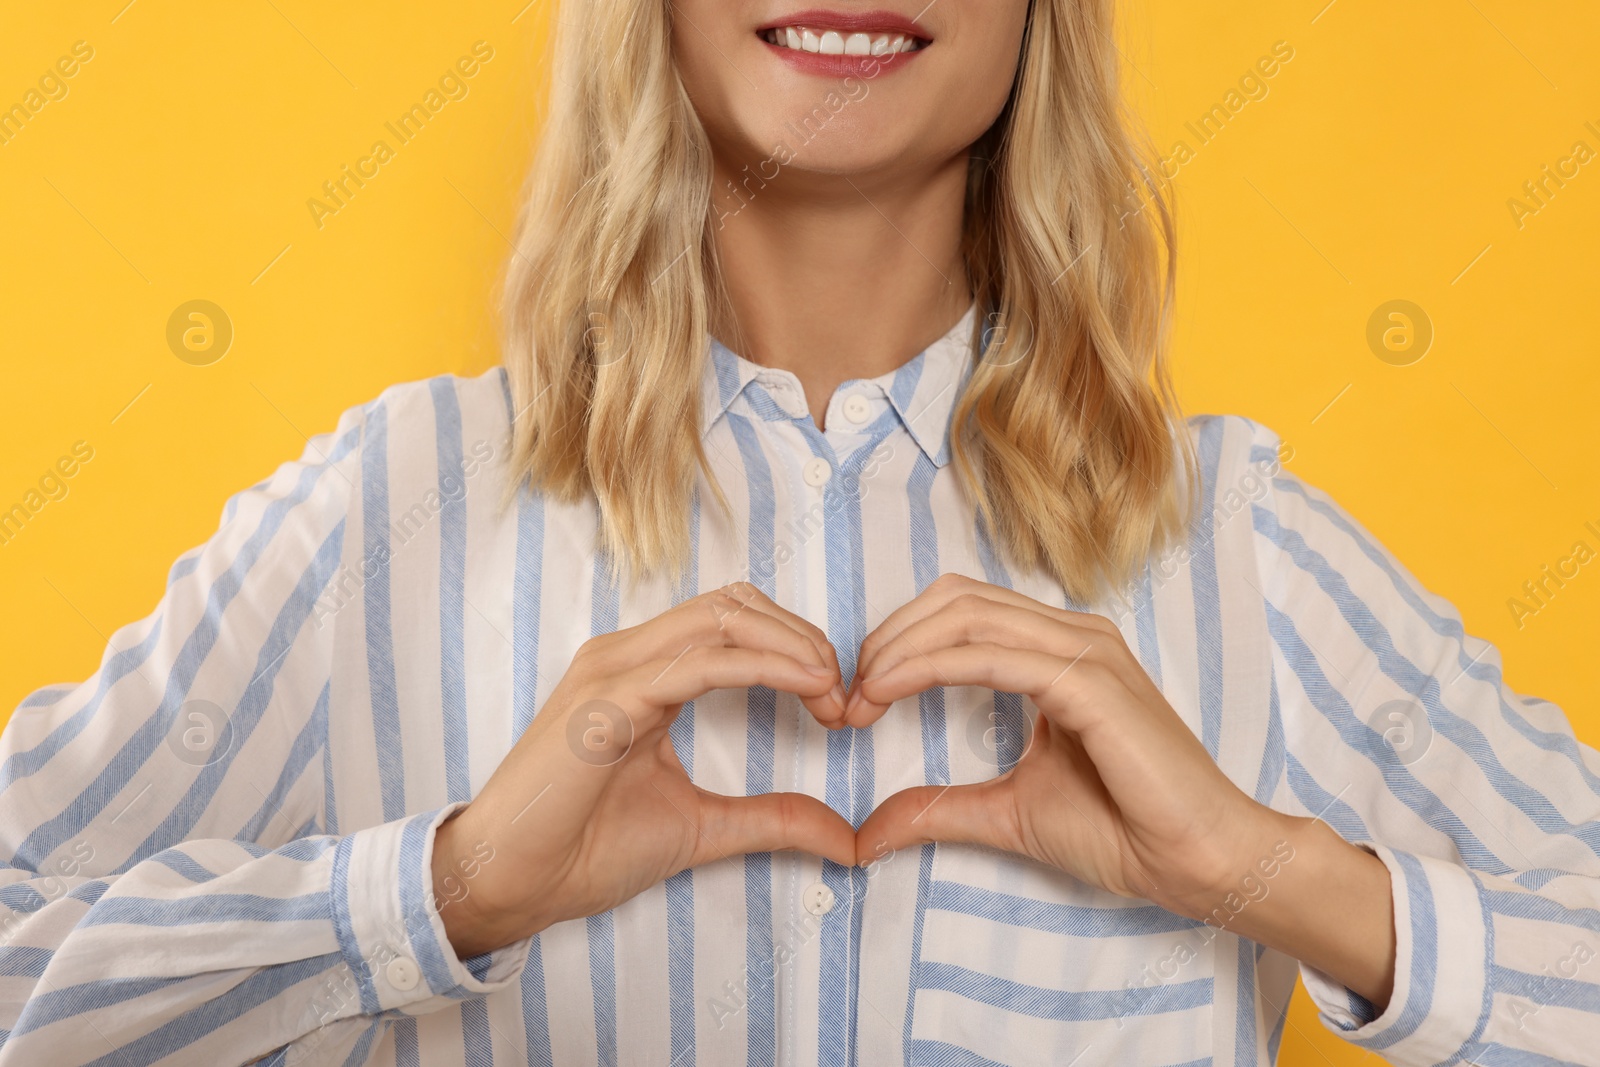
column 855, row 698
column 838, row 696
column 820, row 672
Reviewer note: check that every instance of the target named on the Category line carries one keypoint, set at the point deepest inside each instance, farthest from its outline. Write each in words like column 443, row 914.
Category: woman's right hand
column 591, row 806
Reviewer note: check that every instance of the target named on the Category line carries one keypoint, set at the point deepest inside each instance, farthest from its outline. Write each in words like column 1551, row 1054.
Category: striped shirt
column 217, row 848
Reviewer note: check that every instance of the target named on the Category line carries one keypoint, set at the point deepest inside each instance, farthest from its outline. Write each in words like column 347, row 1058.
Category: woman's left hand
column 1113, row 789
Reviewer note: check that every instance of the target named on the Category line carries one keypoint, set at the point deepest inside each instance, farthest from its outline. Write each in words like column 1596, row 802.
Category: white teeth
column 834, row 43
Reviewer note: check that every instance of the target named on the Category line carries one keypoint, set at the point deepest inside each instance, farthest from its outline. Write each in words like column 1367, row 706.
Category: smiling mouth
column 835, row 43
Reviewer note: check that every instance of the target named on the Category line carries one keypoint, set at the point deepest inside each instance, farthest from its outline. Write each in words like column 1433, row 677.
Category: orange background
column 1375, row 164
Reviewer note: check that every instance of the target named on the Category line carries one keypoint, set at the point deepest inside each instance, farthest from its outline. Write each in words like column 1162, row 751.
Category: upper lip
column 851, row 22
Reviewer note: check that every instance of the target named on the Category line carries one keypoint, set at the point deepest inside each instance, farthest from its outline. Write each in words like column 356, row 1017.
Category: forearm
column 1303, row 890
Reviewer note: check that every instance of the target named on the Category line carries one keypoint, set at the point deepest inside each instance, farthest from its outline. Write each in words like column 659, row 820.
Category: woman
column 822, row 643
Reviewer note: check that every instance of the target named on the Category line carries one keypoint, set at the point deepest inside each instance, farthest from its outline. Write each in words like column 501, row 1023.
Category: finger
column 758, row 600
column 982, row 814
column 948, row 587
column 652, row 687
column 973, row 619
column 756, row 629
column 1074, row 693
column 773, row 822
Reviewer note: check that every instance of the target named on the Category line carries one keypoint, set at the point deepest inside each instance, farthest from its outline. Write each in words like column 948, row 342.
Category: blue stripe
column 167, row 1039
column 1360, row 737
column 1329, row 807
column 452, row 589
column 602, row 934
column 1424, row 958
column 1071, row 920
column 252, row 707
column 113, row 668
column 416, row 907
column 923, row 536
column 1530, row 906
column 761, row 709
column 925, row 1053
column 1144, row 626
column 1244, row 1025
column 536, row 1009
column 407, row 1052
column 1425, row 687
column 477, row 1036
column 211, row 908
column 1009, row 715
column 526, row 604
column 136, row 752
column 679, row 888
column 363, row 1047
column 306, row 743
column 375, row 547
column 24, row 961
column 42, row 697
column 1548, row 989
column 1065, row 1005
column 344, row 930
column 849, row 787
column 1207, row 592
column 1561, row 743
column 1274, row 749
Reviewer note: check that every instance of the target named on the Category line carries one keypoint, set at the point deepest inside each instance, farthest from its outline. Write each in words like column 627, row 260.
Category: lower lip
column 842, row 66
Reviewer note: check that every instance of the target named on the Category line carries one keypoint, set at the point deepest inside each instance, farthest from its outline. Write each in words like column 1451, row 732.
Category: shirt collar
column 922, row 391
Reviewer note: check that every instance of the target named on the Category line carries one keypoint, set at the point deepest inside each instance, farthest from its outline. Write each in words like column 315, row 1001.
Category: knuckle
column 971, row 603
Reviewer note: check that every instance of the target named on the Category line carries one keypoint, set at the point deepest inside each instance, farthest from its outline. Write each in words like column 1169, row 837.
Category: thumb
column 981, row 814
column 773, row 822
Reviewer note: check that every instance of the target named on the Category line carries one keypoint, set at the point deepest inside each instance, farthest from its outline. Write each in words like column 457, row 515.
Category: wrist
column 1258, row 844
column 463, row 888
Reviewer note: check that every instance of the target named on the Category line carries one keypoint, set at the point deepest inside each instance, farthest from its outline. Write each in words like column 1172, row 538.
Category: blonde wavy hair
column 1067, row 436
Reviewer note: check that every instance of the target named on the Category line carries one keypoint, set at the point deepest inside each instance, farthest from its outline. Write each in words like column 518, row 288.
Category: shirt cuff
column 1442, row 948
column 390, row 932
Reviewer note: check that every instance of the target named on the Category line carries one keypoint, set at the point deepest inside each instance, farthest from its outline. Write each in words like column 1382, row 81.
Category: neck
column 834, row 277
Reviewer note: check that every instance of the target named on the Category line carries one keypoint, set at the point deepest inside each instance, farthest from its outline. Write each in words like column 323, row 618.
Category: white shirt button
column 857, row 408
column 818, row 471
column 818, row 899
column 402, row 974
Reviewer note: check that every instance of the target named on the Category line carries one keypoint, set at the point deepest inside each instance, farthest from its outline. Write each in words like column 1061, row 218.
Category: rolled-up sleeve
column 1401, row 733
column 168, row 888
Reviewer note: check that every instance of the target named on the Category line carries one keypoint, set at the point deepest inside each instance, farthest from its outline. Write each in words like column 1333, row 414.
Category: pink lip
column 838, row 66
column 852, row 22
